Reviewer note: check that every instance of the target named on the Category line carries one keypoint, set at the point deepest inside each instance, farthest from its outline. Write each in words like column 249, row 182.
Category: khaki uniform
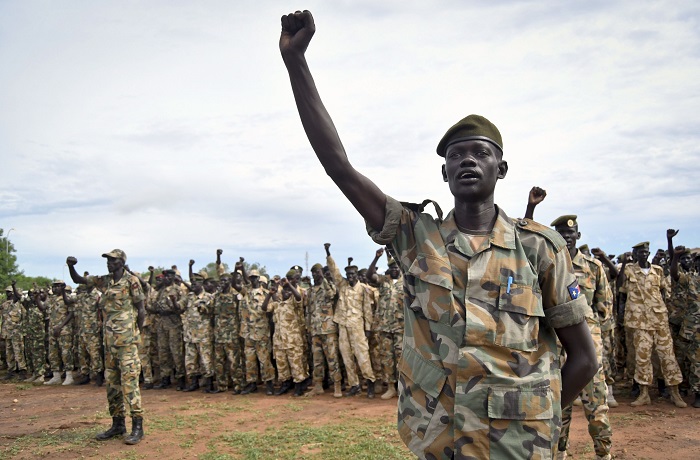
column 288, row 339
column 646, row 315
column 353, row 314
column 324, row 332
column 121, row 337
column 479, row 376
column 61, row 347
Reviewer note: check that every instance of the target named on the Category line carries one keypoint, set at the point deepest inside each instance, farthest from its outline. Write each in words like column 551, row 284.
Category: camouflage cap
column 197, row 277
column 116, row 253
column 472, row 127
column 58, row 282
column 203, row 273
column 68, row 288
column 8, row 289
column 642, row 245
column 351, row 267
column 568, row 220
column 225, row 276
column 316, row 267
column 263, row 279
column 391, row 262
column 253, row 273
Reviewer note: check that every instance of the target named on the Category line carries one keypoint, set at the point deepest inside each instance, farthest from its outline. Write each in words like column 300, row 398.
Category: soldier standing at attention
column 227, row 329
column 34, row 338
column 389, row 320
column 487, row 296
column 197, row 309
column 324, row 332
column 171, row 353
column 121, row 304
column 60, row 339
column 647, row 317
column 13, row 331
column 90, row 343
column 354, row 317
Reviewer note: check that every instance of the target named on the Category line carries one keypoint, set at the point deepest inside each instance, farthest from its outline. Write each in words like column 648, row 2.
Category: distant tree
column 8, row 261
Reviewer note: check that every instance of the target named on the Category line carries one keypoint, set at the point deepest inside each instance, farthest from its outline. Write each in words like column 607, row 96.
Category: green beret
column 291, row 273
column 568, row 220
column 317, row 267
column 471, row 128
column 642, row 245
column 351, row 267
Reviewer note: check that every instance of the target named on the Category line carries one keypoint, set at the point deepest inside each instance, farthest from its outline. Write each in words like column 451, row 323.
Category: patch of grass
column 46, row 442
column 24, row 386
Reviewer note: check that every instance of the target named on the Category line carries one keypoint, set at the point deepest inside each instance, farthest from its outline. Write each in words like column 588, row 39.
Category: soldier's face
column 570, row 235
column 197, row 287
column 114, row 264
column 286, row 293
column 394, row 272
column 318, row 275
column 641, row 255
column 56, row 289
column 685, row 261
column 254, row 281
column 351, row 275
column 472, row 168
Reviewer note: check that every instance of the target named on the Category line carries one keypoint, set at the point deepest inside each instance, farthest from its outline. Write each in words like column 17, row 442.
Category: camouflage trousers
column 375, row 353
column 609, row 367
column 353, row 345
column 390, row 347
column 198, row 359
column 145, row 353
column 90, row 354
column 122, row 369
column 61, row 353
column 325, row 349
column 3, row 354
column 291, row 364
column 14, row 351
column 35, row 352
column 171, row 353
column 258, row 351
column 645, row 343
column 594, row 397
column 229, row 364
column 680, row 349
column 692, row 348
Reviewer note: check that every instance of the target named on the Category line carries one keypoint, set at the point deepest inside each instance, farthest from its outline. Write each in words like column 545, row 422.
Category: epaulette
column 415, row 207
column 548, row 233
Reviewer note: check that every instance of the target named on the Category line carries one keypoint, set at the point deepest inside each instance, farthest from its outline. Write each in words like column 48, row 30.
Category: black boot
column 250, row 388
column 194, row 384
column 100, row 379
column 663, row 391
column 83, row 380
column 696, row 403
column 298, row 389
column 136, row 431
column 118, row 428
column 635, row 390
column 208, row 385
column 370, row 389
column 180, row 384
column 354, row 390
column 269, row 388
column 10, row 375
column 164, row 383
column 285, row 387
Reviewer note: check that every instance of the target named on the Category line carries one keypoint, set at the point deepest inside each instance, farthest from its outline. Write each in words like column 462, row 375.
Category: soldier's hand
column 297, row 30
column 191, row 262
column 14, row 283
column 71, row 261
column 627, row 257
column 536, row 196
column 678, row 250
column 326, row 245
column 379, row 252
column 150, row 268
column 238, row 266
column 598, row 253
column 284, row 282
column 241, row 260
column 670, row 233
column 219, row 252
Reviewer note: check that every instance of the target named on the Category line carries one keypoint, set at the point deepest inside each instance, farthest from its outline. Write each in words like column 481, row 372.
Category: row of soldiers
column 237, row 331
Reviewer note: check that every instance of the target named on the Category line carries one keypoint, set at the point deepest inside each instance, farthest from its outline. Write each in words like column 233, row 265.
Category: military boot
column 10, row 375
column 269, row 388
column 136, row 431
column 69, row 378
column 643, row 398
column 252, row 387
column 298, row 389
column 100, row 380
column 55, row 380
column 611, row 397
column 353, row 390
column 181, row 384
column 118, row 428
column 83, row 380
column 337, row 390
column 30, row 379
column 370, row 389
column 317, row 389
column 194, row 384
column 696, row 403
column 22, row 375
column 634, row 393
column 164, row 383
column 39, row 379
column 676, row 397
column 285, row 387
column 390, row 393
column 663, row 390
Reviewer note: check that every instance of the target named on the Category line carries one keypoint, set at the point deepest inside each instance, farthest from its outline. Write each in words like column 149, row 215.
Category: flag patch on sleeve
column 574, row 290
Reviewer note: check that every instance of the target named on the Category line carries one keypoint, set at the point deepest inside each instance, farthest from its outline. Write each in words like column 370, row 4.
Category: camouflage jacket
column 320, row 310
column 289, row 324
column 196, row 319
column 12, row 319
column 118, row 305
column 227, row 319
column 594, row 286
column 58, row 310
column 678, row 301
column 34, row 323
column 480, row 374
column 690, row 326
column 86, row 309
column 254, row 322
column 389, row 314
column 168, row 314
column 645, row 307
column 354, row 308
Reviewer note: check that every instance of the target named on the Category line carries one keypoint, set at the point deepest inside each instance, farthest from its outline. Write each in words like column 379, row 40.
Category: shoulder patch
column 551, row 235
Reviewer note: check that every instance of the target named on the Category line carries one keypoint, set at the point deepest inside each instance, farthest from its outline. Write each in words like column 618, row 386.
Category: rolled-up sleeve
column 392, row 221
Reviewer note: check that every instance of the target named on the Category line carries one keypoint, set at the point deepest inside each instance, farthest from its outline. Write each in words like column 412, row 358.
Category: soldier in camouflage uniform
column 690, row 327
column 646, row 315
column 171, row 353
column 121, row 304
column 353, row 314
column 607, row 327
column 373, row 339
column 677, row 303
column 13, row 331
column 227, row 329
column 198, row 307
column 85, row 307
column 480, row 374
column 593, row 284
column 34, row 338
column 388, row 320
column 289, row 335
column 255, row 329
column 148, row 344
column 324, row 332
column 60, row 335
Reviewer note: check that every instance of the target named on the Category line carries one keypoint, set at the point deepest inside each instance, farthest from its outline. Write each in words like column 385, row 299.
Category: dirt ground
column 59, row 422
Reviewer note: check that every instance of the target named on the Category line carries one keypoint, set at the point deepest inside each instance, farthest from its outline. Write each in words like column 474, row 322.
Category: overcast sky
column 168, row 128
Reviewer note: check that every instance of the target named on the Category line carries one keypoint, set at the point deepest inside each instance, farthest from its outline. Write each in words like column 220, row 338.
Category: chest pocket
column 431, row 279
column 519, row 315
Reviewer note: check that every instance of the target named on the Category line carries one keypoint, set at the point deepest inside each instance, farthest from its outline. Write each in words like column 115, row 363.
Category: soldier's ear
column 444, row 173
column 502, row 169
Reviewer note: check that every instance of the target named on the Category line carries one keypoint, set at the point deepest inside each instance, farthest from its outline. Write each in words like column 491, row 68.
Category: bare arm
column 365, row 196
column 535, row 197
column 581, row 363
column 372, row 270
